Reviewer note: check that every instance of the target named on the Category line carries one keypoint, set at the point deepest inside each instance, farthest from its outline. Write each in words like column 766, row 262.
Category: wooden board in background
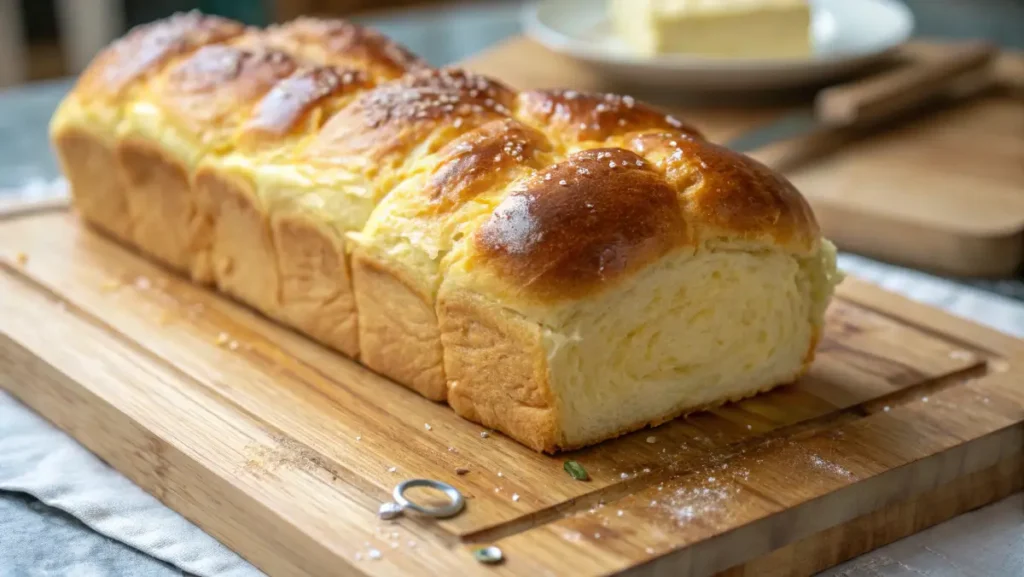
column 283, row 450
column 943, row 191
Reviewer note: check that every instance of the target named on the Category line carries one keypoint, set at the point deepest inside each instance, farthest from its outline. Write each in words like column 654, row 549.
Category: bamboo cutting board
column 284, row 451
column 942, row 190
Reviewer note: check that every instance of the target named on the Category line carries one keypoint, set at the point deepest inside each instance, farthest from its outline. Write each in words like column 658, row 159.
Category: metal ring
column 456, row 504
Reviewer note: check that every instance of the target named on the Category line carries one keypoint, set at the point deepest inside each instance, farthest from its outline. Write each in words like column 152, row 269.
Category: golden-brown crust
column 146, row 48
column 384, row 124
column 730, row 194
column 292, row 99
column 479, row 160
column 579, row 225
column 220, row 81
column 344, row 44
column 572, row 117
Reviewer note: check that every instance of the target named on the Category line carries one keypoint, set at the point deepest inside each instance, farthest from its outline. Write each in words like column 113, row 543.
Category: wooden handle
column 890, row 93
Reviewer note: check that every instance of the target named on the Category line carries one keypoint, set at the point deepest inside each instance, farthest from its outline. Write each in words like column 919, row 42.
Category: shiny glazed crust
column 275, row 164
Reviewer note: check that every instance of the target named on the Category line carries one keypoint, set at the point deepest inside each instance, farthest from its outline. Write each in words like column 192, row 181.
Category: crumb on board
column 223, row 339
column 461, row 470
column 21, row 258
column 999, row 365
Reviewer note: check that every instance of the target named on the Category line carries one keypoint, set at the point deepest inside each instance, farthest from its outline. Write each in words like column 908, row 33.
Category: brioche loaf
column 562, row 267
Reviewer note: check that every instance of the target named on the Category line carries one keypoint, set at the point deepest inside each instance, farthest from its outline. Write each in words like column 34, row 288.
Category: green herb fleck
column 576, row 471
column 488, row 555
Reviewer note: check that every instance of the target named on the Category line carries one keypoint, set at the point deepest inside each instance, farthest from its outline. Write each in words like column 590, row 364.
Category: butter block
column 721, row 28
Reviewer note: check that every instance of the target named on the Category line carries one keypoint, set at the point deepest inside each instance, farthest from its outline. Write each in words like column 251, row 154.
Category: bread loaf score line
column 559, row 266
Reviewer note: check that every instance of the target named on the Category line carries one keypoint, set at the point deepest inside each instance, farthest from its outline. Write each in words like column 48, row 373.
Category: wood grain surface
column 283, row 450
column 941, row 189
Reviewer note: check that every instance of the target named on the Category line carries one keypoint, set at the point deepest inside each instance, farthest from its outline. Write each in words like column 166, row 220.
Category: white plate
column 847, row 35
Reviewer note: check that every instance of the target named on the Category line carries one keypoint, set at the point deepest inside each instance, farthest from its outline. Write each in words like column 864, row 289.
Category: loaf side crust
column 398, row 328
column 89, row 162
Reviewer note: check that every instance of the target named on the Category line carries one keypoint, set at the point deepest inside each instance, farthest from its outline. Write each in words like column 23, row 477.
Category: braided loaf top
column 554, row 192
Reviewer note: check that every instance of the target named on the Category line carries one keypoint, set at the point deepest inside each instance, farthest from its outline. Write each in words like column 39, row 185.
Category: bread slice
column 563, row 267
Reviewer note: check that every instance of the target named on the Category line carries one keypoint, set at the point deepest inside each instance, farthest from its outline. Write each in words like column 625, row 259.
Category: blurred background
column 43, row 39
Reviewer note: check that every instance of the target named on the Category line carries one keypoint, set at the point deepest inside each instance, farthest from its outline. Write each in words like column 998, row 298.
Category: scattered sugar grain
column 652, row 440
column 829, row 466
column 999, row 365
column 374, row 554
column 426, row 426
column 515, row 496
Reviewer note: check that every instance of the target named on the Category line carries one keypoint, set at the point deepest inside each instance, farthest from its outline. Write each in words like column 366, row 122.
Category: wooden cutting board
column 284, row 451
column 942, row 190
